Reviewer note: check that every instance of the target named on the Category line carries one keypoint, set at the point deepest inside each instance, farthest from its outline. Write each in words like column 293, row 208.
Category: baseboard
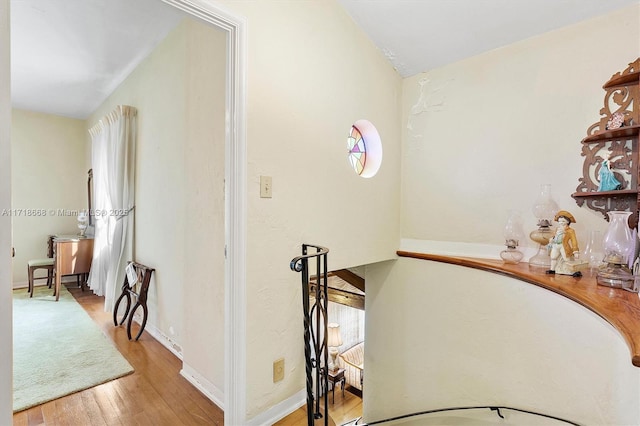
column 280, row 411
column 164, row 340
column 207, row 388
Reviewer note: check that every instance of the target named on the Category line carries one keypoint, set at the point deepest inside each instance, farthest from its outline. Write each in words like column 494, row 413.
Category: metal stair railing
column 315, row 329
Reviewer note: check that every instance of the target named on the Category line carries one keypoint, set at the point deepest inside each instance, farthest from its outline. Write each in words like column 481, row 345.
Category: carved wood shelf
column 621, row 79
column 619, row 145
column 605, row 193
column 618, row 307
column 622, row 132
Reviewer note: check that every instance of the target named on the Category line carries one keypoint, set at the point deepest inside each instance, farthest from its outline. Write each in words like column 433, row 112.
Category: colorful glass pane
column 357, row 150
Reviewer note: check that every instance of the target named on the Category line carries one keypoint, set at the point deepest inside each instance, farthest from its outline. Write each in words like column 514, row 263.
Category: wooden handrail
column 618, row 307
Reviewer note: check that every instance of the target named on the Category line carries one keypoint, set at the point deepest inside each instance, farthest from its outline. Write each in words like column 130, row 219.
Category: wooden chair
column 35, row 264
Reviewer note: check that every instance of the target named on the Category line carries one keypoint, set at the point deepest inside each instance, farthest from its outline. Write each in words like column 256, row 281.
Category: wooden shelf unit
column 620, row 145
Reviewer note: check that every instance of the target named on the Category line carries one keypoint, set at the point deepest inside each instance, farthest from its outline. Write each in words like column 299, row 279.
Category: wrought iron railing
column 315, row 330
column 507, row 415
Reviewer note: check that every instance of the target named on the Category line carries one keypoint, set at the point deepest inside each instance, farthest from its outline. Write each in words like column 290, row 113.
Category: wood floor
column 155, row 394
column 343, row 410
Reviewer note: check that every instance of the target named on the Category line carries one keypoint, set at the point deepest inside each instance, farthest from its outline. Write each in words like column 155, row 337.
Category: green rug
column 58, row 349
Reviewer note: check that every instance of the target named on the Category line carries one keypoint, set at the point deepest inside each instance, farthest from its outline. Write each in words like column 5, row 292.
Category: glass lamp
column 593, row 251
column 513, row 234
column 334, row 340
column 618, row 247
column 544, row 209
column 83, row 222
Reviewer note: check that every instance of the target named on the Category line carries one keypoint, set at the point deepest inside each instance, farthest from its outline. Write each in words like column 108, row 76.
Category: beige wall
column 204, row 239
column 311, row 75
column 481, row 135
column 441, row 336
column 49, row 181
column 179, row 222
column 299, row 115
column 157, row 89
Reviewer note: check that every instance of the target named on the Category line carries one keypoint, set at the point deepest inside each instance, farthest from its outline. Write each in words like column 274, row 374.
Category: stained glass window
column 357, row 150
column 365, row 149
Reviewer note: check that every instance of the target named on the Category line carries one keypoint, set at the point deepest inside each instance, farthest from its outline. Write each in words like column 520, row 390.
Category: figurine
column 563, row 247
column 608, row 181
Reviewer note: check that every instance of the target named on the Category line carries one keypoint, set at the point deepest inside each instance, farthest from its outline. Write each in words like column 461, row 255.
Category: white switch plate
column 265, row 187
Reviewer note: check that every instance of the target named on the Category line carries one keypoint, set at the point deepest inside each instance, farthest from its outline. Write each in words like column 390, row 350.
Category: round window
column 365, row 148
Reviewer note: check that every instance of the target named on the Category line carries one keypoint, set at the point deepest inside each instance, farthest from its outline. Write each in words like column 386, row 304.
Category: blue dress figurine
column 608, row 181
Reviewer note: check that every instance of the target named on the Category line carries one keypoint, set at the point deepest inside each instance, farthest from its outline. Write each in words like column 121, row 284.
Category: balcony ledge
column 618, row 307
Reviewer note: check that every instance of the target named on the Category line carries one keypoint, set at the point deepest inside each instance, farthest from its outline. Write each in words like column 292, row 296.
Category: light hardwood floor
column 155, row 394
column 343, row 410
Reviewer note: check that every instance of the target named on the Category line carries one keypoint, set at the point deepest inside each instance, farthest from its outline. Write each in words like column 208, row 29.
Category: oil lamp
column 544, row 209
column 513, row 234
column 618, row 246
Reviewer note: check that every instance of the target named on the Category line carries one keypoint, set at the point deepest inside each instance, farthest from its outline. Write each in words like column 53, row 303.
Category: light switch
column 265, row 187
column 278, row 370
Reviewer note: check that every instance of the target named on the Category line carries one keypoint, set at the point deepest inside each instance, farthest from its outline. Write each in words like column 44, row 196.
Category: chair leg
column 49, row 277
column 30, row 282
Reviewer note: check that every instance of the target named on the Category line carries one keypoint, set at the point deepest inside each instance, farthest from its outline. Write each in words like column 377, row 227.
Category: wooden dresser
column 73, row 255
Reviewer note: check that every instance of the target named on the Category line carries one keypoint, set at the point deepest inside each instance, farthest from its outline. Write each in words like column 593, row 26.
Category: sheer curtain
column 113, row 161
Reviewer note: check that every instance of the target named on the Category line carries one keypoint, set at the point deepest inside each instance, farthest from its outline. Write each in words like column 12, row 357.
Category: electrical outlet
column 265, row 187
column 278, row 370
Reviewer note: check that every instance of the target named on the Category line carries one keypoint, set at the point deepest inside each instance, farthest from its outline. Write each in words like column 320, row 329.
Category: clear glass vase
column 594, row 251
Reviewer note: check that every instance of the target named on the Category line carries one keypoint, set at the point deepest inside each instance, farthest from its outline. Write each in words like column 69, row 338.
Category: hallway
column 154, row 394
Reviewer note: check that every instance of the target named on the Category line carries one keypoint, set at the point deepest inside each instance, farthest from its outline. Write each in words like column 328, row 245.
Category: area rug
column 58, row 349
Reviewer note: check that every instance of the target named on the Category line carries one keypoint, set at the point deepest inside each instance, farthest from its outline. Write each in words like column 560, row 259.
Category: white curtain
column 113, row 161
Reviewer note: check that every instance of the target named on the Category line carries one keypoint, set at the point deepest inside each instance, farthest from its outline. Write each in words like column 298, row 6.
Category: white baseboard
column 207, row 388
column 164, row 340
column 280, row 411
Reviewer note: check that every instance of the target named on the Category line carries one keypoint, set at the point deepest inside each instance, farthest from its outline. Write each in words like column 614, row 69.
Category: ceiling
column 419, row 35
column 68, row 55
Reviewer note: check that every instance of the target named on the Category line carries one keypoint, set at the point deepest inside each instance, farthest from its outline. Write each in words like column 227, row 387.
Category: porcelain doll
column 563, row 247
column 608, row 181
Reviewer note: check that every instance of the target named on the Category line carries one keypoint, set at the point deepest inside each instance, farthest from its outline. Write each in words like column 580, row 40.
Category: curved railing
column 430, row 417
column 315, row 329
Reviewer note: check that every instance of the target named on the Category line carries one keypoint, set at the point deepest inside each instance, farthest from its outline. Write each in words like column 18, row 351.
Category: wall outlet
column 265, row 187
column 278, row 370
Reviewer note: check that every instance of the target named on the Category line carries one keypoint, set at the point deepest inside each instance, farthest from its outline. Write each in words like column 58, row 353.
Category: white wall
column 311, row 75
column 6, row 335
column 442, row 336
column 481, row 135
column 156, row 88
column 49, row 181
column 179, row 226
column 204, row 239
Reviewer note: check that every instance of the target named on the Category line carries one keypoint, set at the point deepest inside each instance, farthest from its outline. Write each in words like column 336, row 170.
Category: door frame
column 235, row 207
column 235, row 202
